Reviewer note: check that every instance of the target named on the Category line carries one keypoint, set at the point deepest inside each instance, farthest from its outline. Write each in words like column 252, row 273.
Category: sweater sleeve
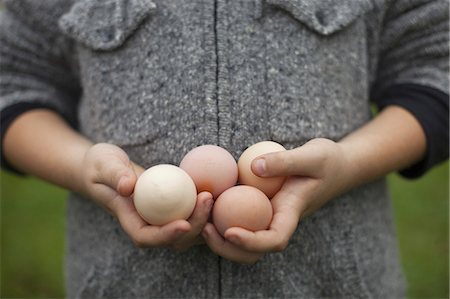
column 35, row 69
column 431, row 108
column 413, row 71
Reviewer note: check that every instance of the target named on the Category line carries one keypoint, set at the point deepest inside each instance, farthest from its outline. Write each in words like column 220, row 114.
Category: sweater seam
column 216, row 47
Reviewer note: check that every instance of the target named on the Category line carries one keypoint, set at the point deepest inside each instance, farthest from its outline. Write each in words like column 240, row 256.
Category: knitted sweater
column 160, row 77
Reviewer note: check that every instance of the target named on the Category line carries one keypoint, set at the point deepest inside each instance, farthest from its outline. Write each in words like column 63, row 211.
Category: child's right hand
column 108, row 177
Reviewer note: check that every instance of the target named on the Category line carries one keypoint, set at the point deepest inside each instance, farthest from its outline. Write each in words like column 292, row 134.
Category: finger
column 201, row 212
column 138, row 170
column 156, row 236
column 116, row 174
column 181, row 246
column 105, row 197
column 303, row 161
column 143, row 234
column 276, row 238
column 198, row 220
column 126, row 184
column 226, row 249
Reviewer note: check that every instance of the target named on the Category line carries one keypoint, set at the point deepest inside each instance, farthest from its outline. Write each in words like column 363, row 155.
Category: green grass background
column 32, row 235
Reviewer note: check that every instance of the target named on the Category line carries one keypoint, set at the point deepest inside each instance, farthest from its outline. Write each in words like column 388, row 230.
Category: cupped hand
column 109, row 178
column 316, row 173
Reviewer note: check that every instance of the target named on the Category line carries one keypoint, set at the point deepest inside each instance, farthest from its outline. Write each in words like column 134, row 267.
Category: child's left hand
column 320, row 170
column 317, row 172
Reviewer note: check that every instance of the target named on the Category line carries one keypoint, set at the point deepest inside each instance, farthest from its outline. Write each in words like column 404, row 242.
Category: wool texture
column 161, row 77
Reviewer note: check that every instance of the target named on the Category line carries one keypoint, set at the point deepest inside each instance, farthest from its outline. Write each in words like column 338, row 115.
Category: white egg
column 164, row 193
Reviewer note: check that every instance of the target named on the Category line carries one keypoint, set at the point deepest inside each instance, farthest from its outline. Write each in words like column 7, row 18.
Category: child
column 95, row 91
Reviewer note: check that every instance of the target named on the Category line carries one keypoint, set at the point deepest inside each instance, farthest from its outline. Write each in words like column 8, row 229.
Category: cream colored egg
column 242, row 206
column 164, row 193
column 270, row 186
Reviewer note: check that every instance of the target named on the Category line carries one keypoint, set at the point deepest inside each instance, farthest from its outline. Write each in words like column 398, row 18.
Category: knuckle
column 98, row 146
column 90, row 175
column 178, row 247
column 110, row 207
column 287, row 163
column 138, row 242
column 97, row 164
column 214, row 248
column 251, row 260
column 322, row 155
column 199, row 224
column 281, row 245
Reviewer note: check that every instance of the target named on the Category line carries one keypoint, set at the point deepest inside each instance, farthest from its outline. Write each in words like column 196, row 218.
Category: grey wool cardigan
column 160, row 77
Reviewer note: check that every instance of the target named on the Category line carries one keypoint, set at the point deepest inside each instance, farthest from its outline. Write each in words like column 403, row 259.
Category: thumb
column 118, row 175
column 298, row 161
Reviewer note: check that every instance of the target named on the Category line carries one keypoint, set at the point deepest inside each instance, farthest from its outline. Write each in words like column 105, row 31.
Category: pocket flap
column 104, row 24
column 326, row 16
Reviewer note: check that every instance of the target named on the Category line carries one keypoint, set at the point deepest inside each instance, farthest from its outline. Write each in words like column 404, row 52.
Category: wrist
column 351, row 171
column 78, row 172
column 40, row 143
column 391, row 141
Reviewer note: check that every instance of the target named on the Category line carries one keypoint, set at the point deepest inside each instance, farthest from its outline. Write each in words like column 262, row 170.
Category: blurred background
column 32, row 235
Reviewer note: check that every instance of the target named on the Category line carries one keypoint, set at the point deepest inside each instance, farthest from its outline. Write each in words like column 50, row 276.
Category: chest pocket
column 316, row 60
column 324, row 17
column 117, row 71
column 105, row 24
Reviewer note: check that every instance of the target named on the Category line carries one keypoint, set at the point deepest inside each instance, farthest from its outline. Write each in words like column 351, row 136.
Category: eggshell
column 242, row 206
column 212, row 169
column 164, row 193
column 270, row 186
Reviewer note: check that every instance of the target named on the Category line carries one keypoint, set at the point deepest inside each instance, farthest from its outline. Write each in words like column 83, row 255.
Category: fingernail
column 260, row 166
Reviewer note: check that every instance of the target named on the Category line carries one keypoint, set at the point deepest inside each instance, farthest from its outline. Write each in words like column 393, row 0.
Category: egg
column 270, row 186
column 212, row 169
column 242, row 206
column 164, row 193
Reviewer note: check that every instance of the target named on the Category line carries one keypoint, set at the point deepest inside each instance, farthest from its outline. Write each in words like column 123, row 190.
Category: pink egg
column 242, row 206
column 212, row 168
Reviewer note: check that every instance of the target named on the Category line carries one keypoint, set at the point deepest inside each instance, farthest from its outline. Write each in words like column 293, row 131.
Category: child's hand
column 109, row 178
column 316, row 173
column 322, row 169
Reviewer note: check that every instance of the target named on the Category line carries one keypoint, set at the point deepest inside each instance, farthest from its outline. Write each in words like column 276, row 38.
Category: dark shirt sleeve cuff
column 430, row 107
column 8, row 115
